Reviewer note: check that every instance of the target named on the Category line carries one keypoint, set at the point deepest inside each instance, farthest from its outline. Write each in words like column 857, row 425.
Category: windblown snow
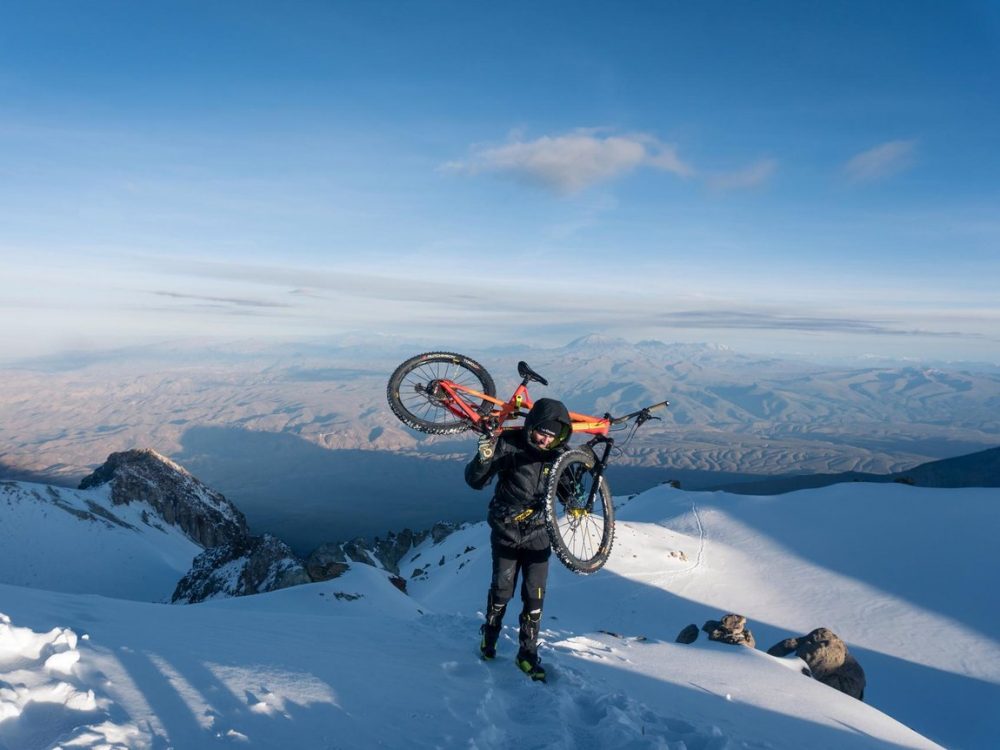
column 902, row 574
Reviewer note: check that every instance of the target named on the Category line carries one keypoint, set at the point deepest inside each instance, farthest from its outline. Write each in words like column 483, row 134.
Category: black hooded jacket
column 521, row 470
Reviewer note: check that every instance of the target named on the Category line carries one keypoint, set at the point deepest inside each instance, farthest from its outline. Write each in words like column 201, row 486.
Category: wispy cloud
column 236, row 301
column 731, row 319
column 751, row 176
column 881, row 161
column 575, row 161
column 446, row 304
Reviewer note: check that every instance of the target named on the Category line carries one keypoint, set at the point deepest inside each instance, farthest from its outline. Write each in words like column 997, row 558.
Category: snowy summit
column 898, row 573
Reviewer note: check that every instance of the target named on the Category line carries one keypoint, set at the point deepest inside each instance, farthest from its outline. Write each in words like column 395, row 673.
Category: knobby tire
column 581, row 536
column 416, row 407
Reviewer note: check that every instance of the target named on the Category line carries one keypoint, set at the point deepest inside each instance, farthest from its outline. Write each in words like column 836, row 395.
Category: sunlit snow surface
column 902, row 574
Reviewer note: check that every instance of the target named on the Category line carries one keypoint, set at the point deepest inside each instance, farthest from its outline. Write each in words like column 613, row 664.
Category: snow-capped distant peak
column 596, row 340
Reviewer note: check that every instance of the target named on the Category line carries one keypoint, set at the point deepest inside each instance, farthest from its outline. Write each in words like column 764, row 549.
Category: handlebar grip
column 661, row 405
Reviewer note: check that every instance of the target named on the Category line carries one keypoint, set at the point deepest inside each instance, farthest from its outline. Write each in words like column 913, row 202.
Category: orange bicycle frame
column 510, row 409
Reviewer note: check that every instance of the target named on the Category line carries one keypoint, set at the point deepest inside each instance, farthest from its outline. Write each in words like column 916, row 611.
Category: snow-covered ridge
column 80, row 541
column 897, row 571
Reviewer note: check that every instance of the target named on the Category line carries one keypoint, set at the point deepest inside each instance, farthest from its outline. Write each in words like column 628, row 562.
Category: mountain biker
column 520, row 459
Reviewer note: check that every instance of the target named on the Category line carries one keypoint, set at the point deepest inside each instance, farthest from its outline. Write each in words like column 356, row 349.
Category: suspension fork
column 601, row 464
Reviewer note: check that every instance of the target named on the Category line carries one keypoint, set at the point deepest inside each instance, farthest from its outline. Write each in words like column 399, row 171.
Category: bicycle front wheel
column 418, row 402
column 579, row 514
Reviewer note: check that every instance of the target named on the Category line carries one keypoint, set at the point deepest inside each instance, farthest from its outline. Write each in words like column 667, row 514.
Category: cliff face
column 203, row 514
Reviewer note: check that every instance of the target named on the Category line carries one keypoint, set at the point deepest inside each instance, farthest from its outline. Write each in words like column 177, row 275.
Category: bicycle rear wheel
column 418, row 403
column 581, row 528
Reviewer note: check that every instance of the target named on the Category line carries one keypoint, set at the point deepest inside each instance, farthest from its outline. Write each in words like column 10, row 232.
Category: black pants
column 532, row 567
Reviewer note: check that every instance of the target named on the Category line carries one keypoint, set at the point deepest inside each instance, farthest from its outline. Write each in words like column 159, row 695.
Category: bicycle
column 443, row 393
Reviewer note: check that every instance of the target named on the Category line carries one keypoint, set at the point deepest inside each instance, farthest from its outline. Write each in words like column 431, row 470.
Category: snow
column 77, row 541
column 901, row 573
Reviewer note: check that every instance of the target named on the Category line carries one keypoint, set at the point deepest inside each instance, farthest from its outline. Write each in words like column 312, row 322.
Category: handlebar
column 641, row 416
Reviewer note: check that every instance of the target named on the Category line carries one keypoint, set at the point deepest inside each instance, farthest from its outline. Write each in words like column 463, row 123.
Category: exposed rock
column 203, row 514
column 327, row 561
column 688, row 635
column 828, row 660
column 731, row 629
column 385, row 553
column 250, row 565
column 440, row 530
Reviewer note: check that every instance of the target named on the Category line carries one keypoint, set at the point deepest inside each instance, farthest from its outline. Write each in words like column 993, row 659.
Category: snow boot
column 531, row 624
column 491, row 628
column 488, row 644
column 531, row 665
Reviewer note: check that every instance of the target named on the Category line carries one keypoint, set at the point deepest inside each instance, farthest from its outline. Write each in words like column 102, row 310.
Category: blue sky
column 817, row 178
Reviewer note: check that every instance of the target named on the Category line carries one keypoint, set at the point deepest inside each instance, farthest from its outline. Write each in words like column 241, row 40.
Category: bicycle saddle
column 528, row 374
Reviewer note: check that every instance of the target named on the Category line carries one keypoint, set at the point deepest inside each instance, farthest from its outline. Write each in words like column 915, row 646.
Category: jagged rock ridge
column 205, row 515
column 234, row 562
column 329, row 560
column 251, row 565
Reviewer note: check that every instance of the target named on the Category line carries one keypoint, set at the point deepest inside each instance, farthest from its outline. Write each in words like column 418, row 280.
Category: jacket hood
column 549, row 410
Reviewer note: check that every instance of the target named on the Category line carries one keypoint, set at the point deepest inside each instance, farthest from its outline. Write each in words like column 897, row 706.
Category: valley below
column 297, row 437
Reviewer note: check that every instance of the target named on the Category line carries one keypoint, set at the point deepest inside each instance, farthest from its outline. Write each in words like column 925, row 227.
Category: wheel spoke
column 410, row 395
column 581, row 527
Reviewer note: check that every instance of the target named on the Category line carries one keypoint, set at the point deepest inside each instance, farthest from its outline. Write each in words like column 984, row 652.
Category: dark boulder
column 688, row 635
column 828, row 660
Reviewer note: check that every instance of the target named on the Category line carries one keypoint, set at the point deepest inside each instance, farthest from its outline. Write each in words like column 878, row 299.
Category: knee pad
column 532, row 607
column 495, row 610
column 532, row 615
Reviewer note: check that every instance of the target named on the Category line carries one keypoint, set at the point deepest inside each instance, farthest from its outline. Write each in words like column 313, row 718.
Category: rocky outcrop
column 250, row 565
column 828, row 660
column 203, row 514
column 326, row 562
column 330, row 560
column 730, row 629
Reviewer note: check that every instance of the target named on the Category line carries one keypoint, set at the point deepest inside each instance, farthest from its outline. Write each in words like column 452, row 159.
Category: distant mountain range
column 297, row 432
column 980, row 469
column 729, row 411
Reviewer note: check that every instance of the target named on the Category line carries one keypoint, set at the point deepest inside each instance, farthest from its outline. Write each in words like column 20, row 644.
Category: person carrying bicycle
column 520, row 460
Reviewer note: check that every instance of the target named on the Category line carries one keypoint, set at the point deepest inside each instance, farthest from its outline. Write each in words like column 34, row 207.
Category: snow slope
column 77, row 541
column 900, row 573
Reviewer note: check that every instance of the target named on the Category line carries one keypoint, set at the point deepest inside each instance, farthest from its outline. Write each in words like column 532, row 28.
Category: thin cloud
column 880, row 162
column 237, row 301
column 749, row 177
column 729, row 319
column 570, row 163
column 445, row 303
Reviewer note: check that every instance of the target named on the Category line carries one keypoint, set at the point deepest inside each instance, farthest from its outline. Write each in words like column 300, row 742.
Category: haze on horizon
column 775, row 177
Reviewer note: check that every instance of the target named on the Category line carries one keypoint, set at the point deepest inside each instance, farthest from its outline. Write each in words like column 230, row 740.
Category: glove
column 487, row 445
